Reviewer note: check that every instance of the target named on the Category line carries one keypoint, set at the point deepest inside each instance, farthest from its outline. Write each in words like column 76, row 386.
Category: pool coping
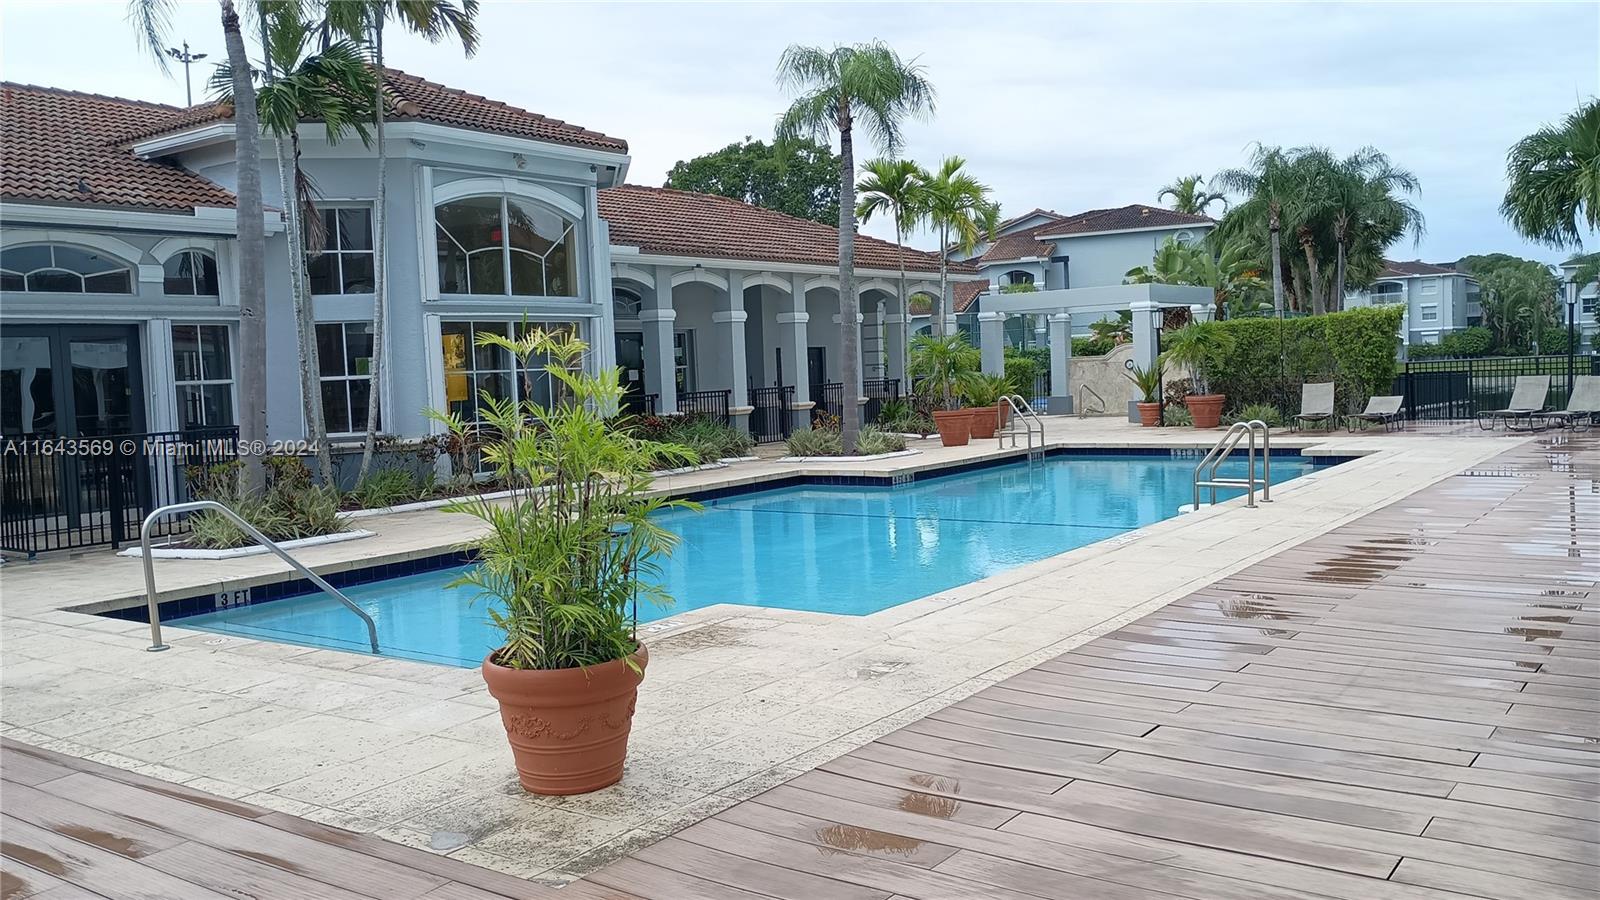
column 271, row 587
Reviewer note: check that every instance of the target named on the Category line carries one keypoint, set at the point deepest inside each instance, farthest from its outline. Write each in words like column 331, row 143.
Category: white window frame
column 1428, row 312
column 569, row 237
column 204, row 380
column 120, row 265
column 514, row 369
column 332, row 250
column 1429, row 287
column 193, row 276
column 344, row 345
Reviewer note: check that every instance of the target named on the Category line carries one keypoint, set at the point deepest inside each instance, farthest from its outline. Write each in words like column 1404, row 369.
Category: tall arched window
column 504, row 245
column 625, row 304
column 190, row 273
column 63, row 269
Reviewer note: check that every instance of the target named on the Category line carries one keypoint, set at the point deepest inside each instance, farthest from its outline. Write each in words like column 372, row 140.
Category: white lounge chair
column 1383, row 410
column 1583, row 407
column 1316, row 406
column 1527, row 401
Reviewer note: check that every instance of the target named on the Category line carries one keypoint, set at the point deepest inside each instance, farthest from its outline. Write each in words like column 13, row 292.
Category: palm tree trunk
column 944, row 282
column 1338, row 278
column 379, row 281
column 252, row 251
column 850, row 332
column 305, row 313
column 1277, row 263
column 905, row 304
column 1313, row 275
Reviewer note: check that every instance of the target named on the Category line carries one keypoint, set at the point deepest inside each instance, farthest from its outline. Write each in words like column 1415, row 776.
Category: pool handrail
column 1024, row 413
column 1222, row 449
column 1083, row 410
column 271, row 545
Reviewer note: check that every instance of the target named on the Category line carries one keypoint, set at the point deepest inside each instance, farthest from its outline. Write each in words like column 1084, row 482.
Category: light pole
column 185, row 57
column 1572, row 308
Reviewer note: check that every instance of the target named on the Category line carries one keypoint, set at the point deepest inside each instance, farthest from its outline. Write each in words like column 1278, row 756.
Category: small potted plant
column 982, row 393
column 564, row 563
column 943, row 366
column 1148, row 381
column 1195, row 346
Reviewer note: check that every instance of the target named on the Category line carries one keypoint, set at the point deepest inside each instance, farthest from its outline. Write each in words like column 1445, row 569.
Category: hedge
column 1356, row 349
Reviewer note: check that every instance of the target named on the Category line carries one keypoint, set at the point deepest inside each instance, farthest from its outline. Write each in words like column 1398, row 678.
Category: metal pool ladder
column 1031, row 423
column 247, row 528
column 1205, row 474
column 1083, row 410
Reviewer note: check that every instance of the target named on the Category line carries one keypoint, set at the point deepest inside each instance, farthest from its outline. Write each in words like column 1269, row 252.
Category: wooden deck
column 1406, row 707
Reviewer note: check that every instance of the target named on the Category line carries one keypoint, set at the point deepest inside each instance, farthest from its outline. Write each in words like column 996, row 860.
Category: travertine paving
column 738, row 699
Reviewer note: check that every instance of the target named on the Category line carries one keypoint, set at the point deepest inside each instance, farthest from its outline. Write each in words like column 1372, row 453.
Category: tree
column 154, row 21
column 1189, row 196
column 1369, row 211
column 1265, row 183
column 433, row 20
column 335, row 87
column 959, row 208
column 1553, row 180
column 1232, row 274
column 836, row 89
column 799, row 178
column 1519, row 305
column 894, row 187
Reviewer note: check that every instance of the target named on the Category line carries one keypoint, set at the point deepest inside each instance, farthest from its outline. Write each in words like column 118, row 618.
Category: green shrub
column 1092, row 346
column 873, row 440
column 1356, row 348
column 815, row 442
column 387, row 487
column 709, row 439
column 1176, row 414
column 290, row 508
column 1266, row 412
column 1022, row 371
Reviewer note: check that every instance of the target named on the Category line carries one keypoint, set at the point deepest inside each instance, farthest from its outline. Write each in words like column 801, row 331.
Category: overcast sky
column 1067, row 106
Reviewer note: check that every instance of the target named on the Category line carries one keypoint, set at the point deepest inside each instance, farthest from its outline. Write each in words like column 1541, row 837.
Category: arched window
column 1183, row 238
column 63, row 269
column 625, row 304
column 504, row 245
column 1018, row 276
column 190, row 273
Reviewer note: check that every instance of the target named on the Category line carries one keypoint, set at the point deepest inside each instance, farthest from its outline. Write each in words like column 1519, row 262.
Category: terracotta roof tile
column 1119, row 219
column 1393, row 269
column 964, row 293
column 60, row 146
column 683, row 223
column 420, row 100
column 1022, row 245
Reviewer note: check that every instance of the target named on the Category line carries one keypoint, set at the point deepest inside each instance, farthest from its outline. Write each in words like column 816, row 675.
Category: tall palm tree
column 835, row 90
column 1553, row 180
column 153, row 18
column 363, row 20
column 959, row 208
column 894, row 187
column 1189, row 196
column 1369, row 208
column 333, row 86
column 1267, row 184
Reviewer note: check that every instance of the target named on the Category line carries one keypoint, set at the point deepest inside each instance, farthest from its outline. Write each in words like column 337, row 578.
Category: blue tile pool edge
column 172, row 611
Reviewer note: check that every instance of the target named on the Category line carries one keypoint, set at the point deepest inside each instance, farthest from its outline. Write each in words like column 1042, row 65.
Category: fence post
column 115, row 502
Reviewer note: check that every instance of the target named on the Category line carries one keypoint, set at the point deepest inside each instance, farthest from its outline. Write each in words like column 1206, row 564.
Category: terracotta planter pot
column 985, row 419
column 1205, row 409
column 1149, row 414
column 955, row 426
column 568, row 728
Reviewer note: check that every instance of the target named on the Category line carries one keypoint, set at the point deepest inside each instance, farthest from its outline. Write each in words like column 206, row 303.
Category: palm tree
column 894, row 187
column 154, row 21
column 835, row 89
column 433, row 20
column 1232, row 274
column 1553, row 180
column 1266, row 184
column 1188, row 196
column 1368, row 209
column 960, row 209
column 335, row 87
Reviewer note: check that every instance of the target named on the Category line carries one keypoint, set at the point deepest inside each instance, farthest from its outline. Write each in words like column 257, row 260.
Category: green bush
column 1474, row 341
column 815, row 442
column 387, row 487
column 1266, row 412
column 1092, row 346
column 1356, row 348
column 709, row 439
column 1176, row 415
column 1022, row 371
column 290, row 508
column 872, row 440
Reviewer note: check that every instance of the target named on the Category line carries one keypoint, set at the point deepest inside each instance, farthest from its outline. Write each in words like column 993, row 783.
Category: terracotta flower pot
column 1149, row 414
column 568, row 728
column 985, row 419
column 955, row 426
column 1205, row 409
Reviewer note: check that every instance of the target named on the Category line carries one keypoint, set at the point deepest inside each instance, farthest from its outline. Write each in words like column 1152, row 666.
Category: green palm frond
column 1553, row 180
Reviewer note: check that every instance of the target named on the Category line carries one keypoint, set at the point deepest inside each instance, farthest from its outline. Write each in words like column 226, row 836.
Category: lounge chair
column 1527, row 401
column 1583, row 407
column 1383, row 410
column 1316, row 406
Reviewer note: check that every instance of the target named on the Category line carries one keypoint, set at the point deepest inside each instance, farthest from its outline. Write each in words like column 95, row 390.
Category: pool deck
column 737, row 700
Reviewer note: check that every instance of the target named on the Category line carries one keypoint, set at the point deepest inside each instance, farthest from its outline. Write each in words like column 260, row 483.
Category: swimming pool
column 850, row 550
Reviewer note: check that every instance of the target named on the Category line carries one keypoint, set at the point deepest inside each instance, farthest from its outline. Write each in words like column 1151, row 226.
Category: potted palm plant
column 564, row 563
column 1195, row 346
column 1148, row 381
column 982, row 393
column 943, row 366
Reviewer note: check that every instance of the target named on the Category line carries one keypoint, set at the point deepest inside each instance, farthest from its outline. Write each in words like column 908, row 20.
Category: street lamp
column 1572, row 308
column 185, row 57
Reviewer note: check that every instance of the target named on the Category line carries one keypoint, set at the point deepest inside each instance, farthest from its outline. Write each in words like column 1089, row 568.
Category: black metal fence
column 829, row 398
column 770, row 419
column 878, row 392
column 1462, row 388
column 71, row 493
column 708, row 403
column 640, row 404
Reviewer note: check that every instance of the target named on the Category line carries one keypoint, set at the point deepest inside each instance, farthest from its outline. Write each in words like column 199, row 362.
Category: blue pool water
column 850, row 550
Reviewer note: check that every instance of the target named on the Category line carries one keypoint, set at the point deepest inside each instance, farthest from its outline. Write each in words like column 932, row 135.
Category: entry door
column 630, row 360
column 817, row 366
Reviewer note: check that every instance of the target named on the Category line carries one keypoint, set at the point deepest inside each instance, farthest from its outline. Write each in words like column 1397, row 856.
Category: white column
column 992, row 342
column 793, row 338
column 1061, row 363
column 161, row 400
column 659, row 376
column 894, row 344
column 728, row 321
column 1145, row 344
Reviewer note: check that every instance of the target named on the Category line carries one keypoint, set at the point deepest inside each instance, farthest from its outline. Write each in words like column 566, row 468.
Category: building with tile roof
column 118, row 232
